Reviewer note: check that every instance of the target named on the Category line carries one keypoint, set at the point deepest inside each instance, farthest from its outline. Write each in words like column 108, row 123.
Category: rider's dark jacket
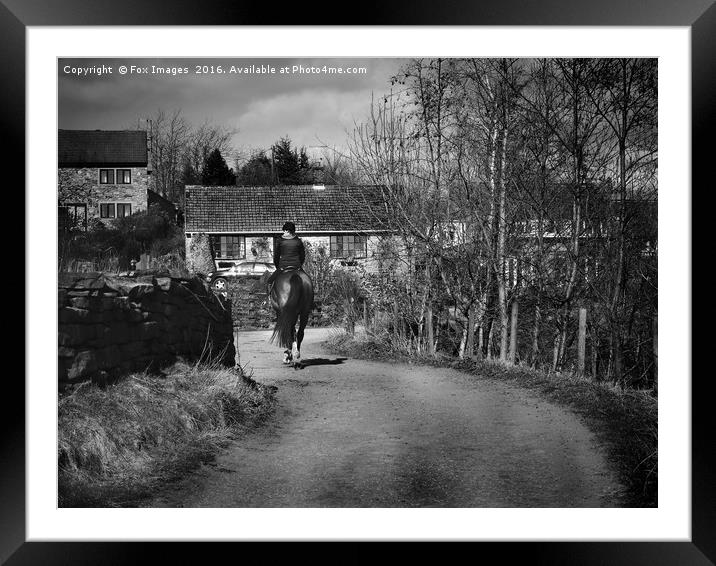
column 288, row 252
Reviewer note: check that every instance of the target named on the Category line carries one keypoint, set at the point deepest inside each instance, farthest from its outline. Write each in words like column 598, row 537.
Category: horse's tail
column 287, row 316
column 283, row 331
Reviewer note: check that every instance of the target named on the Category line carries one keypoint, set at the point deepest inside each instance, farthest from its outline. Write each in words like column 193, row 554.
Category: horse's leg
column 287, row 357
column 296, row 348
column 299, row 335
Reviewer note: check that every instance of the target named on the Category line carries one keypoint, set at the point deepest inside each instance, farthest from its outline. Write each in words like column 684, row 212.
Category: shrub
column 113, row 246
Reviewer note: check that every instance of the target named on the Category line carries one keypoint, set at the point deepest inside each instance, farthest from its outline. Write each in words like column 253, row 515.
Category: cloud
column 310, row 108
column 310, row 117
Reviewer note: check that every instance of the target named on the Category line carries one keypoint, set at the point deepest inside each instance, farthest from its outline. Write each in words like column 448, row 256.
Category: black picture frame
column 699, row 15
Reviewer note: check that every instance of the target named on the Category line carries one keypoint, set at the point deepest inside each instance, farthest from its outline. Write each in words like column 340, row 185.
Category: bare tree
column 519, row 158
column 179, row 151
column 168, row 134
column 623, row 92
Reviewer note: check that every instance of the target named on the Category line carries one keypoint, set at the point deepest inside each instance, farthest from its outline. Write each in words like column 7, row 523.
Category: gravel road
column 354, row 433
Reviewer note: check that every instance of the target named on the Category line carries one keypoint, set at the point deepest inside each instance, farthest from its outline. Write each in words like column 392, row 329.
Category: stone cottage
column 241, row 222
column 103, row 175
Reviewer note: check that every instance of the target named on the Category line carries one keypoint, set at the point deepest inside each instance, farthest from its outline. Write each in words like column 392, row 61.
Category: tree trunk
column 490, row 339
column 430, row 346
column 534, row 357
column 582, row 341
column 555, row 353
column 470, row 344
column 480, row 341
column 501, row 233
column 595, row 354
column 396, row 320
column 513, row 331
column 655, row 342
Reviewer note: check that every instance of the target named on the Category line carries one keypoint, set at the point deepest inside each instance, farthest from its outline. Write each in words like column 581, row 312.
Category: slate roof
column 266, row 208
column 101, row 147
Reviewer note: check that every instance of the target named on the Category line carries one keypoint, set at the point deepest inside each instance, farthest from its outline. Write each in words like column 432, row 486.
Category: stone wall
column 251, row 308
column 109, row 324
column 81, row 185
column 199, row 254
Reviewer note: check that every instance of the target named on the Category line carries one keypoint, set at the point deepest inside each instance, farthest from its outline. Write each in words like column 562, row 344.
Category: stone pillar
column 199, row 255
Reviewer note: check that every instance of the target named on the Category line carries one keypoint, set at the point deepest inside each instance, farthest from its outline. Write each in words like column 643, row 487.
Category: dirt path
column 351, row 433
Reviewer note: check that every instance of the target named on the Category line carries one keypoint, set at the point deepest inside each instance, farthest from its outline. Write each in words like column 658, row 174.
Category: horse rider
column 288, row 252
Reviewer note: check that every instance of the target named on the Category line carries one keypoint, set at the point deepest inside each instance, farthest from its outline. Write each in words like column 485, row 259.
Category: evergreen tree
column 256, row 171
column 216, row 172
column 286, row 162
column 292, row 166
column 307, row 172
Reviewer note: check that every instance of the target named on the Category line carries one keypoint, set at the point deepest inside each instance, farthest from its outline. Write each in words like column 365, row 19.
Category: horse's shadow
column 322, row 362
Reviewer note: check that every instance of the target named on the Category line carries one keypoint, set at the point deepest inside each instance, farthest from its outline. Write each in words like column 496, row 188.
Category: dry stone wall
column 109, row 324
column 251, row 308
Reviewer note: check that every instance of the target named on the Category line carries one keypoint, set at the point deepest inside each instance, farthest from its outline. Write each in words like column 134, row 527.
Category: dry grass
column 625, row 421
column 118, row 443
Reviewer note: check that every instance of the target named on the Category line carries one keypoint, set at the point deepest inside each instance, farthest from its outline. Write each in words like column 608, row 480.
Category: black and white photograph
column 358, row 282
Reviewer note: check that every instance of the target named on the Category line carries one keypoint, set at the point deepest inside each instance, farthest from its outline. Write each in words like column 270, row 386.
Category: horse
column 292, row 298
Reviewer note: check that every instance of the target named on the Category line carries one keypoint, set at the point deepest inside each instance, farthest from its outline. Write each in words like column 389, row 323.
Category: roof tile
column 266, row 208
column 87, row 147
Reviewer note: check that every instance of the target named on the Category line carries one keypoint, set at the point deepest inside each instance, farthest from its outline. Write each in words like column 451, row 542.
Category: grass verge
column 625, row 421
column 118, row 444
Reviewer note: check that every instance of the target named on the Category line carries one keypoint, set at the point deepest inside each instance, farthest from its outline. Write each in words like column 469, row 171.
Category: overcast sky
column 312, row 109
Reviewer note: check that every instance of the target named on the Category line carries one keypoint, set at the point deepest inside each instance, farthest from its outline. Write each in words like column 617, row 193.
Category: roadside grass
column 118, row 443
column 625, row 421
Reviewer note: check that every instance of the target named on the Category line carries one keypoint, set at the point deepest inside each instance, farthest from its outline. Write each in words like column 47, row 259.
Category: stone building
column 103, row 175
column 241, row 222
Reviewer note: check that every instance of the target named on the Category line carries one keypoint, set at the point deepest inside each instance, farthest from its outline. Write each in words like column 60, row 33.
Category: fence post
column 237, row 356
column 365, row 315
column 144, row 261
column 513, row 332
column 582, row 340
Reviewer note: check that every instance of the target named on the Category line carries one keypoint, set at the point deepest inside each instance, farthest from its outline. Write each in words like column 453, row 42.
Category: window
column 107, row 210
column 124, row 176
column 73, row 216
column 229, row 246
column 348, row 246
column 123, row 209
column 106, row 176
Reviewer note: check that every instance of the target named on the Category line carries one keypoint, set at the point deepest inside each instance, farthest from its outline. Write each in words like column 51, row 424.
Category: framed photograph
column 136, row 122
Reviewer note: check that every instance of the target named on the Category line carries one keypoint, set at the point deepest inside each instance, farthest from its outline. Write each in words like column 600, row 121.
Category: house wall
column 81, row 185
column 262, row 246
column 375, row 260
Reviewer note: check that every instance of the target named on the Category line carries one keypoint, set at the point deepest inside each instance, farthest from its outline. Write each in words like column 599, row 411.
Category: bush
column 111, row 247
